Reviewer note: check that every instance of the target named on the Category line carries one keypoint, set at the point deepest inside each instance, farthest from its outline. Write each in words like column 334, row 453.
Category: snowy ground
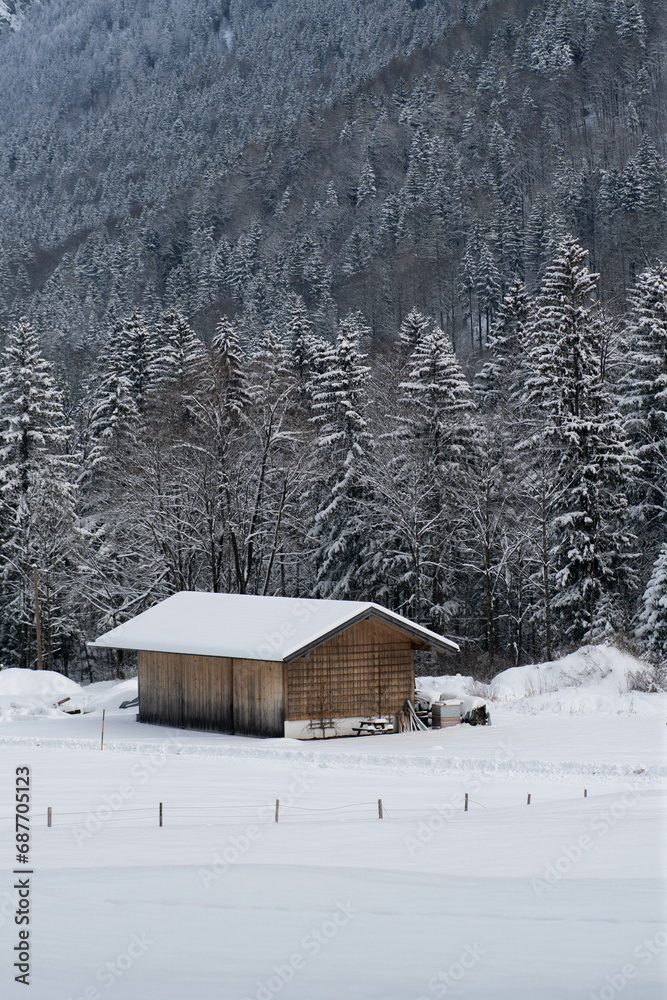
column 564, row 897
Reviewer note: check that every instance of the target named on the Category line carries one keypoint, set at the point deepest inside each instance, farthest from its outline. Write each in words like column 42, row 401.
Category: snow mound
column 36, row 692
column 594, row 680
column 26, row 693
column 112, row 694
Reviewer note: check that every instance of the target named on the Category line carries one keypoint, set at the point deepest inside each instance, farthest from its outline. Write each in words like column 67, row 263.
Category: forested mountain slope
column 217, row 157
column 352, row 300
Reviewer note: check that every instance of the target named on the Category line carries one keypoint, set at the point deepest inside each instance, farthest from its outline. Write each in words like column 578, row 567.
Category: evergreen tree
column 438, row 402
column 36, row 493
column 112, row 421
column 339, row 405
column 230, row 380
column 644, row 396
column 412, row 329
column 435, row 449
column 487, row 287
column 180, row 354
column 592, row 545
column 366, row 187
column 653, row 618
column 500, row 378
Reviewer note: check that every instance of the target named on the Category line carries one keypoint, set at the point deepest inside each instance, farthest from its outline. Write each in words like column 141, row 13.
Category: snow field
column 562, row 898
column 233, row 905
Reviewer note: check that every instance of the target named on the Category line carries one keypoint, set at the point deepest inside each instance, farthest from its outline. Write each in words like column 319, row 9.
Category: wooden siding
column 258, row 698
column 366, row 670
column 186, row 691
column 211, row 693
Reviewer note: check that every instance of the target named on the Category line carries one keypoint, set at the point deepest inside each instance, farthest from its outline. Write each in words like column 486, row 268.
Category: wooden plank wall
column 366, row 670
column 258, row 698
column 186, row 691
column 211, row 693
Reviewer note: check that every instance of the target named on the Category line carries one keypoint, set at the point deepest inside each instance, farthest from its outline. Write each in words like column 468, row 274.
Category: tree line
column 518, row 507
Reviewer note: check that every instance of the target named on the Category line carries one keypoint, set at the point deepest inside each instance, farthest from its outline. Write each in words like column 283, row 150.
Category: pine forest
column 363, row 301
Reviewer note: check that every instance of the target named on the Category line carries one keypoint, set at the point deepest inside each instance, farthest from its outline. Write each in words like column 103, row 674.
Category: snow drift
column 594, row 680
column 26, row 693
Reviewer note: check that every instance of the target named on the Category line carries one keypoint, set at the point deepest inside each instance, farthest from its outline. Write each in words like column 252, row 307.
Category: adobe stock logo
column 644, row 953
column 277, row 641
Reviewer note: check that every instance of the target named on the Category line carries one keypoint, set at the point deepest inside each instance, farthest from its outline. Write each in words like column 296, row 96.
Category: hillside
column 353, row 301
column 372, row 157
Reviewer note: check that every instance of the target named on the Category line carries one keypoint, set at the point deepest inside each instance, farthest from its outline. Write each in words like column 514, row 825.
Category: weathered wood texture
column 366, row 670
column 186, row 691
column 213, row 693
column 258, row 698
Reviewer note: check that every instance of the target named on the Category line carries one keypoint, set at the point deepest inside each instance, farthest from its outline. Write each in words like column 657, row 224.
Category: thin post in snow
column 104, row 712
column 585, row 793
column 528, row 799
column 380, row 812
column 277, row 808
column 465, row 803
column 160, row 814
column 49, row 816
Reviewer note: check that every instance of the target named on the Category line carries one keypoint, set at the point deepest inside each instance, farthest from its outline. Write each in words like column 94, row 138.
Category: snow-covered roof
column 249, row 627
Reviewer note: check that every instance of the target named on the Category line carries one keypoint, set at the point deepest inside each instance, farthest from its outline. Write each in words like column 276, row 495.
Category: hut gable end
column 366, row 670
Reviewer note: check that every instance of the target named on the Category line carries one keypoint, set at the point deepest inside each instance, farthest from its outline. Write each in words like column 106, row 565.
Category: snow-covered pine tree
column 180, row 353
column 433, row 457
column 131, row 367
column 310, row 355
column 366, row 187
column 300, row 336
column 652, row 628
column 488, row 289
column 500, row 377
column 438, row 403
column 593, row 548
column 135, row 351
column 340, row 399
column 231, row 389
column 643, row 397
column 412, row 329
column 111, row 421
column 37, row 513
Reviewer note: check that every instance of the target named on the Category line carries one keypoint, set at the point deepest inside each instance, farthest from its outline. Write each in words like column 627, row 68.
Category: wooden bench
column 373, row 727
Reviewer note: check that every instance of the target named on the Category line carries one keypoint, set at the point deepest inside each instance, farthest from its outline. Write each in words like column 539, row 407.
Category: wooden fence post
column 277, row 808
column 380, row 813
column 160, row 814
column 528, row 799
column 49, row 816
column 465, row 804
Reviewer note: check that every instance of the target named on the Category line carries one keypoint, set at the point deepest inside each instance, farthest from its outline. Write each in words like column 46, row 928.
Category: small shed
column 271, row 666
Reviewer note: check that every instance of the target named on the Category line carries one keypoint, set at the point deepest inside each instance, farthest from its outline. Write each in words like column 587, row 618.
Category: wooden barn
column 272, row 666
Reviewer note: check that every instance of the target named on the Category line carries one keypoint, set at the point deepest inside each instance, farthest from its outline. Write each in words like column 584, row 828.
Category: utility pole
column 37, row 622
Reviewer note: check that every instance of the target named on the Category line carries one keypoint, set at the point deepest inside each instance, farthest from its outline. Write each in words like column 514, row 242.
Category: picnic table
column 371, row 727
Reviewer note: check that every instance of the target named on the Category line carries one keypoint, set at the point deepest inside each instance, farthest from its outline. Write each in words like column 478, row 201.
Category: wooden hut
column 271, row 666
